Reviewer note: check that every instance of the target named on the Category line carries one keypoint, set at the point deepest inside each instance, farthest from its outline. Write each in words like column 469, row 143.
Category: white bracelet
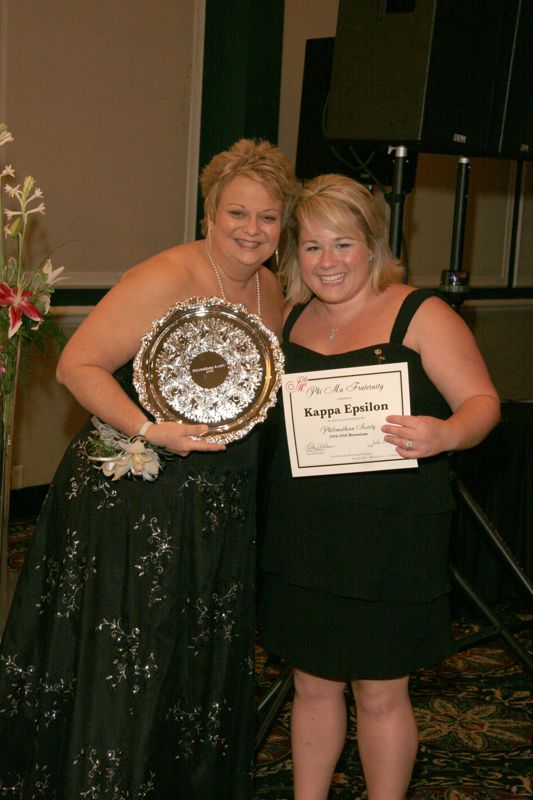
column 144, row 427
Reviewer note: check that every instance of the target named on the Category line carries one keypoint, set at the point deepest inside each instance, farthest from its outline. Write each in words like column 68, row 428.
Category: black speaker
column 314, row 156
column 370, row 164
column 512, row 123
column 444, row 76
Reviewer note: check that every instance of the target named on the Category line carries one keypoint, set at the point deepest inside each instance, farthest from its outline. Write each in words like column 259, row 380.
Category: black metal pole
column 397, row 200
column 459, row 219
column 497, row 629
column 454, row 282
column 495, row 537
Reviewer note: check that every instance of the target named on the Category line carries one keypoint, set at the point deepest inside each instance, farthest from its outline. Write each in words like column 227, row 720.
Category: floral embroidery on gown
column 126, row 669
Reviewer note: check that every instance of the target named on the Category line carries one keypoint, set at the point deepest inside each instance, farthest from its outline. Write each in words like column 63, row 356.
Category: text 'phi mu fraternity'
column 334, row 419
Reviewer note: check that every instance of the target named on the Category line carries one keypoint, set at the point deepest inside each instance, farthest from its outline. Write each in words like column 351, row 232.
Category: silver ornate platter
column 209, row 361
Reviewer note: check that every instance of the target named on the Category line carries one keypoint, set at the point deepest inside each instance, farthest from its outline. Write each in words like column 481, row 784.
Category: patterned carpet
column 475, row 717
column 474, row 711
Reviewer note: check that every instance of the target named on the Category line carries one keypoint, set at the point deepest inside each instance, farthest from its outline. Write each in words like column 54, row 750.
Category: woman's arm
column 452, row 361
column 108, row 338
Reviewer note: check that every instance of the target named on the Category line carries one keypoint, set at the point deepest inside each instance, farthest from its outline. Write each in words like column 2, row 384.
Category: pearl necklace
column 216, row 270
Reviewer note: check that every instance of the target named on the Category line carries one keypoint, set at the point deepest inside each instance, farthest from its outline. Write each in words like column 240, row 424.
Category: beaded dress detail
column 126, row 669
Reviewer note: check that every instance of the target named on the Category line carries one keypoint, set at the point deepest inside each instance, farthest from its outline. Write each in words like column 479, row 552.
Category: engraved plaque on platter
column 211, row 362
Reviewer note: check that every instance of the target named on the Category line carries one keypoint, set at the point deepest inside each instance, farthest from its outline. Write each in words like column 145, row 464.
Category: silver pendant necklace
column 362, row 305
column 333, row 331
column 216, row 270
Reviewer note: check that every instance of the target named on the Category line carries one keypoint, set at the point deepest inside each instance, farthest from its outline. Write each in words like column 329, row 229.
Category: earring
column 276, row 257
column 371, row 256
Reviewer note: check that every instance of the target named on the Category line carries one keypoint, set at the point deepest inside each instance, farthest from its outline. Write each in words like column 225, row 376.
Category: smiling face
column 334, row 266
column 246, row 227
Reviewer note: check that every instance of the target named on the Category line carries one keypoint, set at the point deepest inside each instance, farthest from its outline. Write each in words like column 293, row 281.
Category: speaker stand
column 396, row 199
column 505, row 555
column 454, row 282
column 272, row 700
column 455, row 286
column 459, row 216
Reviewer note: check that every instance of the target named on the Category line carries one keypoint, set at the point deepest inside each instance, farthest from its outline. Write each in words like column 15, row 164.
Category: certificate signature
column 334, row 417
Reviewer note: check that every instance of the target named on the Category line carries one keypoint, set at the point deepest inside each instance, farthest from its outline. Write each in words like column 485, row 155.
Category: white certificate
column 334, row 417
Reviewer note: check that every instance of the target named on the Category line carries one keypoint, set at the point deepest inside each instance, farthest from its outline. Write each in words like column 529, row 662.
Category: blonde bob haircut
column 251, row 158
column 342, row 205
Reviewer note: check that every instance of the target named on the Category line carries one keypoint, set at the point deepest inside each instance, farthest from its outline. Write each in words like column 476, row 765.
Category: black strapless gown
column 126, row 669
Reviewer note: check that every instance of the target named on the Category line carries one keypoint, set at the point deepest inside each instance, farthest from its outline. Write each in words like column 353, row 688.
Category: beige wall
column 429, row 213
column 504, row 333
column 102, row 97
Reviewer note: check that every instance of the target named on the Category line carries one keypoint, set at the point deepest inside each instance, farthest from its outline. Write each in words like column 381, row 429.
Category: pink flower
column 18, row 303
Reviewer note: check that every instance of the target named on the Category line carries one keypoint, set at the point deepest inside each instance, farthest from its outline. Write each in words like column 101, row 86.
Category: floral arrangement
column 24, row 294
column 119, row 456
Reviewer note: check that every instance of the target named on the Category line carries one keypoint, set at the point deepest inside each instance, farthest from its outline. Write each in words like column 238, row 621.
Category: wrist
column 144, row 427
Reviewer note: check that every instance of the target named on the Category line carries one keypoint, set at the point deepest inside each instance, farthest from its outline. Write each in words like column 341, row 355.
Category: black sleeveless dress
column 354, row 576
column 126, row 669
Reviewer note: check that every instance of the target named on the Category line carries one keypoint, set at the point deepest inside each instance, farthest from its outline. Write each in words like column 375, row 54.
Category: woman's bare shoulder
column 168, row 263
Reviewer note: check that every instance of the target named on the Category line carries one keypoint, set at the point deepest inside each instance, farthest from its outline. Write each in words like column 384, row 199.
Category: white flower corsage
column 117, row 455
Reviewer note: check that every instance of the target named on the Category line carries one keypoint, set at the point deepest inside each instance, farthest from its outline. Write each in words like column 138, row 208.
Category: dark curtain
column 498, row 474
